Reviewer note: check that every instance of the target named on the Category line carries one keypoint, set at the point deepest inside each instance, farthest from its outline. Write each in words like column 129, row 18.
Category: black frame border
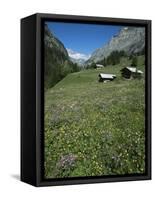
column 40, row 180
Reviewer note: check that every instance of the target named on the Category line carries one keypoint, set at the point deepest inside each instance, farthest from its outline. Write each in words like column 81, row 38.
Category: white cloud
column 77, row 55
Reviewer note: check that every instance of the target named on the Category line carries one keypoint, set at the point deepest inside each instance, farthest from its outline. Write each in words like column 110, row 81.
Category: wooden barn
column 131, row 72
column 106, row 77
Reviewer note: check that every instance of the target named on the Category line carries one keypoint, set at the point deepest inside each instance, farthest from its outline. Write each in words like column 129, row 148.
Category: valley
column 94, row 128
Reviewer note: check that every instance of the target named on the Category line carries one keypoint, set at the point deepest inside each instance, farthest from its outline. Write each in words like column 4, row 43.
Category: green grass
column 93, row 128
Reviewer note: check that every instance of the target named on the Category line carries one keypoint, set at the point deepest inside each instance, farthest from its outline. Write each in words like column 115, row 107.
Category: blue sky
column 82, row 38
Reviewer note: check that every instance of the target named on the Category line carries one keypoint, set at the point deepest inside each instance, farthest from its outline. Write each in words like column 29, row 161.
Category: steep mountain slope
column 129, row 39
column 52, row 42
column 55, row 57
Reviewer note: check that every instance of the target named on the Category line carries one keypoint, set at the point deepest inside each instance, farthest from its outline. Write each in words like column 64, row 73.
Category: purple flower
column 67, row 161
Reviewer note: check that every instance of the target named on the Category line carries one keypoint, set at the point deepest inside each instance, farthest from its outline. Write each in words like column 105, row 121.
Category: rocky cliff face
column 129, row 39
column 55, row 56
column 57, row 63
column 53, row 43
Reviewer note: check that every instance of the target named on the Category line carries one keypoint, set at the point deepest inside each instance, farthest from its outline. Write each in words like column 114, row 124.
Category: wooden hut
column 131, row 72
column 106, row 77
column 99, row 66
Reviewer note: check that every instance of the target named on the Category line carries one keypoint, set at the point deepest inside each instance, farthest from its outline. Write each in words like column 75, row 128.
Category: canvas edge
column 39, row 180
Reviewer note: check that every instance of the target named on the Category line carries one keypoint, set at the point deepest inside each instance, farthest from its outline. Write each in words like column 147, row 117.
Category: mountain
column 129, row 39
column 78, row 61
column 54, row 44
column 57, row 62
column 77, row 57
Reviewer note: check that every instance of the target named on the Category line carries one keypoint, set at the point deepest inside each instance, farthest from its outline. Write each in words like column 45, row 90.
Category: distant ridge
column 129, row 39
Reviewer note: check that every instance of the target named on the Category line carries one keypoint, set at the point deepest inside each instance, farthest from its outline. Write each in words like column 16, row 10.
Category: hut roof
column 99, row 65
column 133, row 69
column 110, row 76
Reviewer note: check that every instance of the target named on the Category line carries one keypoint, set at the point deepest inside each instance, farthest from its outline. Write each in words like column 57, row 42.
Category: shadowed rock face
column 53, row 43
column 129, row 39
column 55, row 56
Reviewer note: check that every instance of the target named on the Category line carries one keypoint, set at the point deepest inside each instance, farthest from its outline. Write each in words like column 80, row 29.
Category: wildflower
column 67, row 161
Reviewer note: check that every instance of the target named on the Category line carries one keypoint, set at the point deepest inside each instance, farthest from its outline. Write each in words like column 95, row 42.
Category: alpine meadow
column 94, row 113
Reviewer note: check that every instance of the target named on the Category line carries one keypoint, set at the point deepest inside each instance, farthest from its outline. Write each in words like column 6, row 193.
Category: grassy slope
column 94, row 128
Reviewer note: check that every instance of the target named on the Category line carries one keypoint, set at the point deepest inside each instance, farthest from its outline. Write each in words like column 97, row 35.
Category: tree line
column 114, row 58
